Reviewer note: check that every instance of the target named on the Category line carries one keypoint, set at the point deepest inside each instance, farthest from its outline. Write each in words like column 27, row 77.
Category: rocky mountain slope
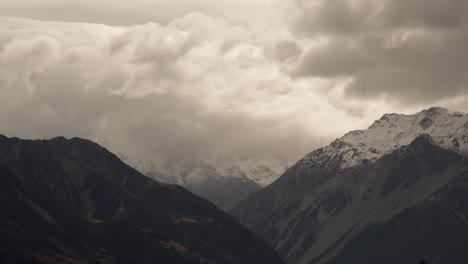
column 221, row 180
column 72, row 201
column 393, row 193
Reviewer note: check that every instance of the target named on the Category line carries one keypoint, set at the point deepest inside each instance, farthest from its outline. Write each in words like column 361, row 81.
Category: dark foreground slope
column 436, row 229
column 407, row 206
column 72, row 201
column 433, row 227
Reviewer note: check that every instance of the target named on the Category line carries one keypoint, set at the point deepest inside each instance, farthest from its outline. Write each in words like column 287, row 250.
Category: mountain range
column 222, row 180
column 396, row 192
column 72, row 201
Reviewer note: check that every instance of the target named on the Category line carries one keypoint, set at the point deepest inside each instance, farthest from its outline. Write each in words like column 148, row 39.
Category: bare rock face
column 381, row 195
column 72, row 201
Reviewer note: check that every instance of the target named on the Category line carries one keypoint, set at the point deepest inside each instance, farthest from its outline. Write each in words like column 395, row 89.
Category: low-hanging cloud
column 207, row 85
column 124, row 13
column 165, row 91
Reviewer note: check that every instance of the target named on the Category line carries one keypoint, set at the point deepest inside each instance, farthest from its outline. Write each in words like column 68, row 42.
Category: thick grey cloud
column 286, row 51
column 431, row 14
column 331, row 17
column 412, row 51
column 124, row 13
column 145, row 89
column 236, row 82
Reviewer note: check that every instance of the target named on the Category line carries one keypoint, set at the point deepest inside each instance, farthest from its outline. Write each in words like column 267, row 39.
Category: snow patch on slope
column 262, row 171
column 448, row 129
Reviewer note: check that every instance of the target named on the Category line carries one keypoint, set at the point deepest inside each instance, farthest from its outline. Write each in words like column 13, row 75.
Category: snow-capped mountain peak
column 448, row 129
column 262, row 171
column 334, row 198
column 224, row 181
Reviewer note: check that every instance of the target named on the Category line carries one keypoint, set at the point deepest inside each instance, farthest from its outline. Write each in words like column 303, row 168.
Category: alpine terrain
column 222, row 180
column 396, row 192
column 72, row 201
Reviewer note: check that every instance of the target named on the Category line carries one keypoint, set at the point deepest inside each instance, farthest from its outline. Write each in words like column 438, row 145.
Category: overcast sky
column 231, row 77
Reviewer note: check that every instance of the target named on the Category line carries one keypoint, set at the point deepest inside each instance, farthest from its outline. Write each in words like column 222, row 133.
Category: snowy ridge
column 262, row 171
column 223, row 181
column 448, row 129
column 184, row 172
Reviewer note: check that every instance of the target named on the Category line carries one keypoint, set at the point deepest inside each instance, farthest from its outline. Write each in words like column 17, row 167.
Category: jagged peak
column 73, row 140
column 447, row 128
column 54, row 140
column 384, row 120
column 426, row 114
column 435, row 110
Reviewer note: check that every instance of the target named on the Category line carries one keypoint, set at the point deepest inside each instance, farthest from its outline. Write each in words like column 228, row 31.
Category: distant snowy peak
column 221, row 180
column 448, row 129
column 262, row 171
column 259, row 173
column 183, row 172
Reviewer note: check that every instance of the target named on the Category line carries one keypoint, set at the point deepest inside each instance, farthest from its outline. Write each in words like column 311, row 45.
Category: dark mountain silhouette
column 394, row 193
column 72, row 201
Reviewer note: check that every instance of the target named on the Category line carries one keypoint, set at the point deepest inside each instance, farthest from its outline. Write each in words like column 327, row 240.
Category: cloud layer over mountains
column 414, row 51
column 231, row 77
